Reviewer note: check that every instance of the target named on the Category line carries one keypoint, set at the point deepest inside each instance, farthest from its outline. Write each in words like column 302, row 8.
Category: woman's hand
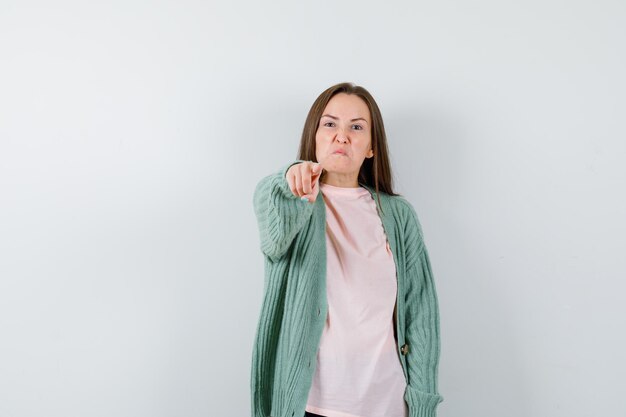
column 303, row 179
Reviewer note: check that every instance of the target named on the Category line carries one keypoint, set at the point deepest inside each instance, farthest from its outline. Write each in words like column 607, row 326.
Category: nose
column 342, row 136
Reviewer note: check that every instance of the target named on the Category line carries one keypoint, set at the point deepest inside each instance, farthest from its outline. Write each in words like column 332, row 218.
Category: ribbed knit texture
column 293, row 240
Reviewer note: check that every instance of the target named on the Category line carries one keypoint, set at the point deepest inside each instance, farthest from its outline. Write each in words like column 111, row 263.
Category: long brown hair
column 375, row 171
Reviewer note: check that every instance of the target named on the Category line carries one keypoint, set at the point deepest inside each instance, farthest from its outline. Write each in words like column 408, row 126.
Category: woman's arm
column 280, row 214
column 421, row 325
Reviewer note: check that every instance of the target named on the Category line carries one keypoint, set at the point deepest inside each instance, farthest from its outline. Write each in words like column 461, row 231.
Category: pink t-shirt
column 358, row 372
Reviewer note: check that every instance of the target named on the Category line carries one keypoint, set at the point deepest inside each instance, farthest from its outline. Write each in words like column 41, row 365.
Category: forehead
column 348, row 106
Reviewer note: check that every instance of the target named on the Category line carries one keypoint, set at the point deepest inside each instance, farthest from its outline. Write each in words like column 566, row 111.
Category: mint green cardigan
column 293, row 311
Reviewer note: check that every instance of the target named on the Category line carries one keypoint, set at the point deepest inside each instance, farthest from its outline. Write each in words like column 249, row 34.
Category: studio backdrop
column 133, row 134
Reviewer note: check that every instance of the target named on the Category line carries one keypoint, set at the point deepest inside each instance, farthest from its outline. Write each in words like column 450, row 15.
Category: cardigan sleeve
column 280, row 214
column 422, row 325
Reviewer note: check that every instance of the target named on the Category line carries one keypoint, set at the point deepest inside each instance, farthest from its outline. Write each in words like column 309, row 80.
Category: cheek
column 320, row 141
column 320, row 146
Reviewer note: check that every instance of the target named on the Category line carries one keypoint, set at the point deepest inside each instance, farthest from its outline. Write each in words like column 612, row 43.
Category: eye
column 359, row 127
column 327, row 123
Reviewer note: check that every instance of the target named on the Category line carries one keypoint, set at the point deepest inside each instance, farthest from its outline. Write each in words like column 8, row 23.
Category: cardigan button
column 404, row 349
column 318, row 311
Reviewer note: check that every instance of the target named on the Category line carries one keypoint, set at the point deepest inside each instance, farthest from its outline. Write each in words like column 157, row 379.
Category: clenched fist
column 303, row 179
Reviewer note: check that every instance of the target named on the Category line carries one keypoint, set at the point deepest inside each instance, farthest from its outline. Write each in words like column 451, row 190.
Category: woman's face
column 343, row 138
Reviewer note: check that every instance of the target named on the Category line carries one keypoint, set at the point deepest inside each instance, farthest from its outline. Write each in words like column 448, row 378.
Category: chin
column 339, row 169
column 339, row 166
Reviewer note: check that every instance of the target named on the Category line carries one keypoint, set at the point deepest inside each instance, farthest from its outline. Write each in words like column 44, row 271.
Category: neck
column 349, row 180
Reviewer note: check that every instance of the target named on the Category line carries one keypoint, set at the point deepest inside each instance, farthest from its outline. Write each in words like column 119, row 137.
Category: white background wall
column 132, row 135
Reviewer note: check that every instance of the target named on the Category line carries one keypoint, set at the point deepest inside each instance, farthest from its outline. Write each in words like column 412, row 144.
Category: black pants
column 307, row 414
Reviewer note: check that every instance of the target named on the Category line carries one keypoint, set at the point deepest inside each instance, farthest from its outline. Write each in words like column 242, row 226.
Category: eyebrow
column 336, row 118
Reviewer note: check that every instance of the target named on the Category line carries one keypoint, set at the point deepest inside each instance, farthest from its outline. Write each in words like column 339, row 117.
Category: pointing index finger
column 321, row 165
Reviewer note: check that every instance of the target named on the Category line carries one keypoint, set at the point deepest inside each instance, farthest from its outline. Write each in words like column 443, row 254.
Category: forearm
column 422, row 336
column 280, row 214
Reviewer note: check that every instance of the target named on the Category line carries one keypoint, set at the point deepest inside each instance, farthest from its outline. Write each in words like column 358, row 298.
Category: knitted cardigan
column 293, row 311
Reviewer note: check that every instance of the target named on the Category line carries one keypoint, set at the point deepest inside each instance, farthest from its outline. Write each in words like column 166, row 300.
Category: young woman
column 349, row 324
